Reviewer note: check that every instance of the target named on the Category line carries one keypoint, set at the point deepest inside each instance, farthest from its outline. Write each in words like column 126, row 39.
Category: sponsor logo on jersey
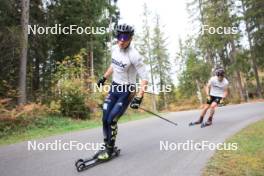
column 120, row 64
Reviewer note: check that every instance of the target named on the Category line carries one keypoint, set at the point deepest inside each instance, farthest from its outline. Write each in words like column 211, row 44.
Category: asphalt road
column 140, row 141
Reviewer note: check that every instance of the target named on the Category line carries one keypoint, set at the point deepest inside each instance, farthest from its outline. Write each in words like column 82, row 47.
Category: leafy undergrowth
column 31, row 121
column 10, row 112
column 248, row 160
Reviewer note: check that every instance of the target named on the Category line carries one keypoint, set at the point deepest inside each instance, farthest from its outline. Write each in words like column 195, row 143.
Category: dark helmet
column 220, row 72
column 124, row 28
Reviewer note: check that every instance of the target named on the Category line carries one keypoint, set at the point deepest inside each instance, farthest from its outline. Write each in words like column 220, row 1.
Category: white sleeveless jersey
column 127, row 64
column 217, row 88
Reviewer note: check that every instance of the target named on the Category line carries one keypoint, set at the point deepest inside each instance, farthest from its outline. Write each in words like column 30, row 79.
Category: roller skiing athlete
column 126, row 65
column 216, row 91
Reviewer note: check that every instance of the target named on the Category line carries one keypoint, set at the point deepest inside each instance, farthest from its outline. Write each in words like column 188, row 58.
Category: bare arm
column 108, row 72
column 225, row 92
column 143, row 88
column 207, row 89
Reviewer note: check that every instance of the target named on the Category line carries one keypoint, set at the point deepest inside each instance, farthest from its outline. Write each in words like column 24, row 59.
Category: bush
column 73, row 98
column 55, row 107
column 71, row 89
column 70, row 92
column 19, row 118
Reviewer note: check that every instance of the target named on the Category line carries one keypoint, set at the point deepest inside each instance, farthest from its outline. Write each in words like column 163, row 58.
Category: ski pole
column 158, row 116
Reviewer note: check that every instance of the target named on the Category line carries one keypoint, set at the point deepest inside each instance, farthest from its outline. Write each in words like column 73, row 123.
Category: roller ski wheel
column 78, row 162
column 84, row 164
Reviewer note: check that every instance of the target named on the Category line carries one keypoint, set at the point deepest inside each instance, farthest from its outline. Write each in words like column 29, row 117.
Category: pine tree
column 161, row 62
column 145, row 50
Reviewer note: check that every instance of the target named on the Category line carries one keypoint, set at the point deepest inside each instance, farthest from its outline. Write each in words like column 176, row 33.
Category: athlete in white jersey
column 216, row 91
column 126, row 65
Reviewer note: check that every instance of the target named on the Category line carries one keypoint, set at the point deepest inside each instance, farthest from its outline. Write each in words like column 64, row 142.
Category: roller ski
column 194, row 123
column 206, row 124
column 100, row 157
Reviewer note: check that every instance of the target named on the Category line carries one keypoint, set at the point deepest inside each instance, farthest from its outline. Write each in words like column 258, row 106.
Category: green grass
column 248, row 160
column 11, row 132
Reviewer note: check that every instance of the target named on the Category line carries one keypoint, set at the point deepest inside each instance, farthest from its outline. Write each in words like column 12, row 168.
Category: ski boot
column 84, row 164
column 205, row 124
column 195, row 123
column 106, row 154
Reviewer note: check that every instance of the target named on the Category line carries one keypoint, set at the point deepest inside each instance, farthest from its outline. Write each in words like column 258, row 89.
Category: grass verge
column 51, row 125
column 248, row 160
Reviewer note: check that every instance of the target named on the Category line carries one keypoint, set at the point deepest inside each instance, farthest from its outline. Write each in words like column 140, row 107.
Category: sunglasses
column 123, row 37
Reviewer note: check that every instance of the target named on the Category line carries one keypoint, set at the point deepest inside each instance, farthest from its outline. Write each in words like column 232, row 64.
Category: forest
column 47, row 74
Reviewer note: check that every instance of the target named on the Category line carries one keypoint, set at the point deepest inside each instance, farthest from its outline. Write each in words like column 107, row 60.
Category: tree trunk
column 253, row 58
column 89, row 66
column 165, row 105
column 23, row 57
column 237, row 72
column 154, row 106
column 199, row 93
column 36, row 75
column 90, row 60
column 240, row 86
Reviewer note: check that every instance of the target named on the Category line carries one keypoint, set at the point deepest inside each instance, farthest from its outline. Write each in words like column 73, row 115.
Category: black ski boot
column 197, row 122
column 205, row 124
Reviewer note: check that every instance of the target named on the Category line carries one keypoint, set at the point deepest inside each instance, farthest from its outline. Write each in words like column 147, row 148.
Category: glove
column 101, row 82
column 222, row 101
column 136, row 102
column 208, row 99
